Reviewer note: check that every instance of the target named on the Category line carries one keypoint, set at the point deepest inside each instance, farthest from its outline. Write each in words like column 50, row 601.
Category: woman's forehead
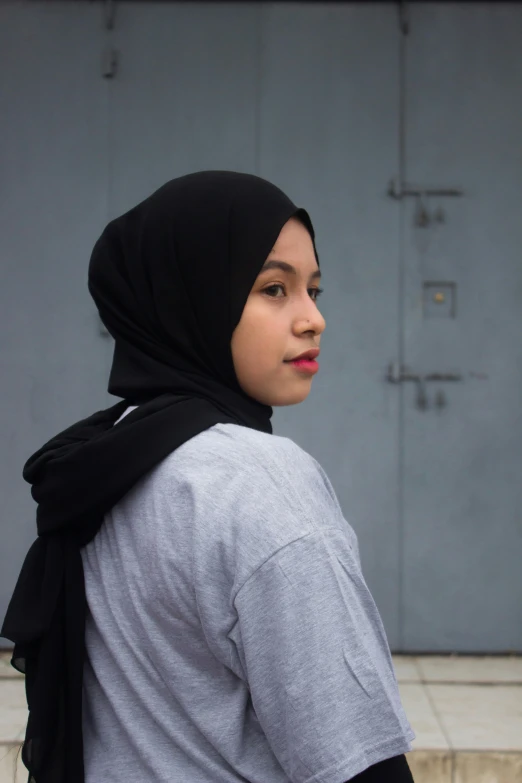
column 294, row 244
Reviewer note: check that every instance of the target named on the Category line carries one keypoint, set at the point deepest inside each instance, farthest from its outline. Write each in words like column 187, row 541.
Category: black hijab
column 170, row 279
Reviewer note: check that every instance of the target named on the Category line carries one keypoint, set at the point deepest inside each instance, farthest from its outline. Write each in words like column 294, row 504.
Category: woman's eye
column 315, row 292
column 271, row 288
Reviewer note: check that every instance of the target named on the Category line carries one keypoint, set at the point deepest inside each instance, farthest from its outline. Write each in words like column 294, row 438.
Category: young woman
column 193, row 609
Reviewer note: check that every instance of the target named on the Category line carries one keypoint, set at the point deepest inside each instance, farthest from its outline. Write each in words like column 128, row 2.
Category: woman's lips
column 305, row 365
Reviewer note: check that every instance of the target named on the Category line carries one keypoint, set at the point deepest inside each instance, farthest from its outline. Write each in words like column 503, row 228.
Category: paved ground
column 466, row 712
column 467, row 715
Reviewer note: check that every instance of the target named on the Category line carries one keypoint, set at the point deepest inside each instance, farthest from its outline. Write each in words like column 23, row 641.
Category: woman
column 194, row 579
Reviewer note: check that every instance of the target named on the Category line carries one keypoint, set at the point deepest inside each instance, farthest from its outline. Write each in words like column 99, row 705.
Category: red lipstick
column 305, row 362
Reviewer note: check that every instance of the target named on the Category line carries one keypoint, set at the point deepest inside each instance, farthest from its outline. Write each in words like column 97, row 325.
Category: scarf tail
column 51, row 657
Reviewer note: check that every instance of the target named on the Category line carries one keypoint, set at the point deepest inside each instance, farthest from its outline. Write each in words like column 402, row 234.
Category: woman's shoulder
column 227, row 452
column 249, row 457
column 252, row 448
column 257, row 483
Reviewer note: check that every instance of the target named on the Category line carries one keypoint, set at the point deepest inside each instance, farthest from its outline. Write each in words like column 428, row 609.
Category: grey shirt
column 230, row 634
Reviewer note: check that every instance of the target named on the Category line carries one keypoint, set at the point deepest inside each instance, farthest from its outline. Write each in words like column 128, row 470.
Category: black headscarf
column 170, row 279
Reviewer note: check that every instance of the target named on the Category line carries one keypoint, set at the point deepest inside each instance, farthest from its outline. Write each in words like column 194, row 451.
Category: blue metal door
column 462, row 315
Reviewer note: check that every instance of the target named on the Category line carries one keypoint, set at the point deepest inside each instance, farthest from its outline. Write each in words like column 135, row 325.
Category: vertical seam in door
column 258, row 88
column 109, row 205
column 110, row 131
column 110, row 150
column 400, row 336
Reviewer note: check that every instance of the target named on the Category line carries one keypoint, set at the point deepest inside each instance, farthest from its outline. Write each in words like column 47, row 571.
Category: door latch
column 397, row 373
column 399, row 190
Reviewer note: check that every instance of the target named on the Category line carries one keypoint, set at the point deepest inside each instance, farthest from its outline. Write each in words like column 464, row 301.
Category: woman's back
column 230, row 634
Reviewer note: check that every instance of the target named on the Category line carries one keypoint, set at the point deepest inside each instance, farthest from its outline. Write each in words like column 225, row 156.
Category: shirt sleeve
column 317, row 661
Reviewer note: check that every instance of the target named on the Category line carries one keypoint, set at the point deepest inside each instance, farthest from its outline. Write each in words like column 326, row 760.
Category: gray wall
column 330, row 101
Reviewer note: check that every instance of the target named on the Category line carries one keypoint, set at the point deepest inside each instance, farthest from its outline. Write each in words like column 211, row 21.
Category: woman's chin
column 292, row 396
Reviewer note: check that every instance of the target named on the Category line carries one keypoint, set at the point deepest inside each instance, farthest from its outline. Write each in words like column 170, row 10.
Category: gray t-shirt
column 230, row 635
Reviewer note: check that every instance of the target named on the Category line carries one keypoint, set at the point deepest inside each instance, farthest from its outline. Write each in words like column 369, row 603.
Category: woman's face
column 280, row 321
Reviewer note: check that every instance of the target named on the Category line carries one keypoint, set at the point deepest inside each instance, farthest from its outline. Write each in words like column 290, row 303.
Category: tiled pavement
column 467, row 715
column 466, row 712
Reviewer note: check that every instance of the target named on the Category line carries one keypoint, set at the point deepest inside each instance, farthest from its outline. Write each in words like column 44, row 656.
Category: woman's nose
column 313, row 320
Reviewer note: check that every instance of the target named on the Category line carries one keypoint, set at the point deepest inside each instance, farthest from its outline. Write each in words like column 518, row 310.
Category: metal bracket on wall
column 109, row 13
column 110, row 56
column 399, row 190
column 404, row 17
column 109, row 63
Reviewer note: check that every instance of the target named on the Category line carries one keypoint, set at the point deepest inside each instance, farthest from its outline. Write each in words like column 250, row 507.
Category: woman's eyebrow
column 286, row 267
